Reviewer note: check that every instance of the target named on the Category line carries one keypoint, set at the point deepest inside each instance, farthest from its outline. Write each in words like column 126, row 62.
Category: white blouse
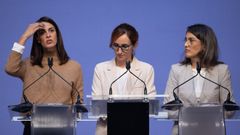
column 122, row 82
column 198, row 82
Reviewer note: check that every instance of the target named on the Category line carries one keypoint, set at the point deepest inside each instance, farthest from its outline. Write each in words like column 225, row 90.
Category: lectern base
column 51, row 131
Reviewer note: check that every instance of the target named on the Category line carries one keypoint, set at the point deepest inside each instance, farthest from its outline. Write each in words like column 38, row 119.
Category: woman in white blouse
column 124, row 41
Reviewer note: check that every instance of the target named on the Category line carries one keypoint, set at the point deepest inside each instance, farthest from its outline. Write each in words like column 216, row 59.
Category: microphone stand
column 110, row 89
column 128, row 66
column 27, row 105
column 177, row 103
column 145, row 88
column 228, row 104
column 78, row 105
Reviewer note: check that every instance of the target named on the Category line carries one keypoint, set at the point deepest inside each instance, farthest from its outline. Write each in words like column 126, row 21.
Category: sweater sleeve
column 15, row 66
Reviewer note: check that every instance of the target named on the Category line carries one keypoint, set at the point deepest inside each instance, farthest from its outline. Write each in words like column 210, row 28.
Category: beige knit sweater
column 50, row 88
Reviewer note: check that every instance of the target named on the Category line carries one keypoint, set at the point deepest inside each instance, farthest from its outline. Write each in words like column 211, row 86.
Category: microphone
column 198, row 68
column 228, row 104
column 128, row 66
column 110, row 89
column 78, row 105
column 177, row 103
column 27, row 105
column 50, row 62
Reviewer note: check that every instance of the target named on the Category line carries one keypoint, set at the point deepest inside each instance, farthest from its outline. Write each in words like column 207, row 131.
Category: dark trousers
column 27, row 128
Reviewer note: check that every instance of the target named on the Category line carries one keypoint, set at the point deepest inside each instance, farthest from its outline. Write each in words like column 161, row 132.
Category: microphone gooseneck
column 50, row 64
column 228, row 104
column 27, row 105
column 182, row 84
column 128, row 67
column 78, row 104
column 177, row 103
column 110, row 89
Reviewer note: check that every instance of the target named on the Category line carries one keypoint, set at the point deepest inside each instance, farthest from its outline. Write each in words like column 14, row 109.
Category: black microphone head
column 198, row 67
column 128, row 65
column 50, row 62
column 230, row 105
column 81, row 108
column 110, row 90
column 78, row 99
column 23, row 107
column 175, row 104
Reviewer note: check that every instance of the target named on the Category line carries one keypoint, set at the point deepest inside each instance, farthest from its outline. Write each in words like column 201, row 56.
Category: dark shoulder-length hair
column 122, row 29
column 37, row 51
column 209, row 54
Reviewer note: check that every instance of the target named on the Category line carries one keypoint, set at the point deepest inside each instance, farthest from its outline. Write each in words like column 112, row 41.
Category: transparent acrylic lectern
column 48, row 119
column 207, row 120
column 126, row 114
column 203, row 119
column 53, row 119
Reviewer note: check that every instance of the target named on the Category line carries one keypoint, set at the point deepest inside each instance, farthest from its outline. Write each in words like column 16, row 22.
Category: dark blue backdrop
column 86, row 26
